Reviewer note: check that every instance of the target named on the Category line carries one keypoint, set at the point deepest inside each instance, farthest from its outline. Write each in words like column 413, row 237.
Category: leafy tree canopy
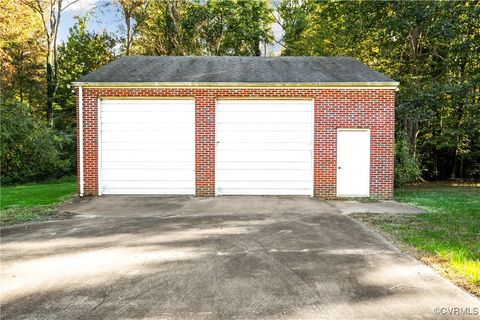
column 83, row 52
column 431, row 47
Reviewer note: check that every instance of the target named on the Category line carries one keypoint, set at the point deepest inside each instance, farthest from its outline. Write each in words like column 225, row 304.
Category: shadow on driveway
column 213, row 258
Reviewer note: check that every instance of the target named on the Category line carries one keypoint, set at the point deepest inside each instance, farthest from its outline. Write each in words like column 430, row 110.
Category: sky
column 106, row 15
column 102, row 17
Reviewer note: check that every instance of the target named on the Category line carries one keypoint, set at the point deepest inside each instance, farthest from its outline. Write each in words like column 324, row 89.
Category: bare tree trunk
column 128, row 24
column 129, row 9
column 411, row 127
column 22, row 71
column 257, row 50
column 460, row 171
column 50, row 11
column 411, row 124
column 454, row 165
column 177, row 35
column 50, row 92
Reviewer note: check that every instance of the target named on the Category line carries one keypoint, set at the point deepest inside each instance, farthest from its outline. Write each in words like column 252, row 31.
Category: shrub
column 407, row 167
column 29, row 149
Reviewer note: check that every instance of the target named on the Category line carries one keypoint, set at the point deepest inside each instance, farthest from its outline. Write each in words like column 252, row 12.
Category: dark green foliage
column 211, row 27
column 431, row 47
column 235, row 27
column 407, row 167
column 30, row 149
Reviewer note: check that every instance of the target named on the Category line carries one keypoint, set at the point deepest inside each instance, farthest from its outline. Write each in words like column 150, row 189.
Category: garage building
column 208, row 126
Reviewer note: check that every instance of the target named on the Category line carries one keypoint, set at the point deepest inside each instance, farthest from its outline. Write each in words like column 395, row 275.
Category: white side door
column 264, row 147
column 353, row 163
column 147, row 147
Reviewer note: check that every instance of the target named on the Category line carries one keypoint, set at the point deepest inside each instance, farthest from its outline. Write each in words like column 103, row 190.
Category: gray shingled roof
column 281, row 70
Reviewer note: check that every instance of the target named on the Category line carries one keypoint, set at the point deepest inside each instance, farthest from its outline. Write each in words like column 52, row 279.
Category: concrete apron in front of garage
column 214, row 258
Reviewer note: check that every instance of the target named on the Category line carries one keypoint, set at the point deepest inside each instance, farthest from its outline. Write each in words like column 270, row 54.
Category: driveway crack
column 104, row 298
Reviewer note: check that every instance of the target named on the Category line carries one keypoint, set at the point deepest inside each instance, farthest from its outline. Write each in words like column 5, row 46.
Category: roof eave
column 378, row 85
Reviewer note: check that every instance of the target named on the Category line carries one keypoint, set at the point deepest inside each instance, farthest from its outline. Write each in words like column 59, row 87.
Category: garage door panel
column 259, row 136
column 263, row 127
column 265, row 191
column 245, row 185
column 265, row 165
column 147, row 165
column 147, row 147
column 176, row 105
column 266, row 175
column 151, row 128
column 264, row 147
column 139, row 184
column 256, row 155
column 147, row 175
column 261, row 117
column 126, row 136
column 141, row 155
column 146, row 191
column 270, row 138
column 147, row 117
column 262, row 105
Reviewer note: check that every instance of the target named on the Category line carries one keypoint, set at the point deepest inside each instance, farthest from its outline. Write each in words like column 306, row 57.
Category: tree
column 167, row 28
column 50, row 12
column 83, row 52
column 236, row 27
column 431, row 47
column 212, row 27
column 130, row 9
column 21, row 46
column 29, row 148
column 291, row 17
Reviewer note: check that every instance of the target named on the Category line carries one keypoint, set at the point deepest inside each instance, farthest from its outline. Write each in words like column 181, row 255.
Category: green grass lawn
column 35, row 201
column 448, row 237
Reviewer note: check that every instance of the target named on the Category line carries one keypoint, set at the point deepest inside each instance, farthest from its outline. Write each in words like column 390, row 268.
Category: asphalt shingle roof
column 158, row 69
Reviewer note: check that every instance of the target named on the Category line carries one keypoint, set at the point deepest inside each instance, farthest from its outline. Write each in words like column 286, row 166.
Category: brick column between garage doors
column 334, row 108
column 205, row 146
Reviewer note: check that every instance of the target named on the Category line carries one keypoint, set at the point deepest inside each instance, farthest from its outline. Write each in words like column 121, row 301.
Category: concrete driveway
column 215, row 258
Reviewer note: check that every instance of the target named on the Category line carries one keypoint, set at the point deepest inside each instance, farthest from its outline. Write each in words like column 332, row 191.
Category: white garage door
column 147, row 147
column 264, row 147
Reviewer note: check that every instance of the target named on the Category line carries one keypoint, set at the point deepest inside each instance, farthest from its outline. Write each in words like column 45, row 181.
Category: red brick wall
column 372, row 109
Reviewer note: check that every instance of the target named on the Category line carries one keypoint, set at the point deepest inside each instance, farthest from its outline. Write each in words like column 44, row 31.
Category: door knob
column 339, row 167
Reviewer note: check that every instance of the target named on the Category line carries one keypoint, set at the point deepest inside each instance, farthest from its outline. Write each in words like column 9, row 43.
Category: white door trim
column 368, row 165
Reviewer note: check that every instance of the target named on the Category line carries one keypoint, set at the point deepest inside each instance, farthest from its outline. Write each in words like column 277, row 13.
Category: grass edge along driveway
column 447, row 238
column 34, row 201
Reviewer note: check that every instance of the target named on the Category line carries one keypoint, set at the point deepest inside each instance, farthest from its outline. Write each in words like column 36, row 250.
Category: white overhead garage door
column 264, row 147
column 147, row 147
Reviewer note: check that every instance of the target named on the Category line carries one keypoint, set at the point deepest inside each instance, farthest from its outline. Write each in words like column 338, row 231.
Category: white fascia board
column 347, row 85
